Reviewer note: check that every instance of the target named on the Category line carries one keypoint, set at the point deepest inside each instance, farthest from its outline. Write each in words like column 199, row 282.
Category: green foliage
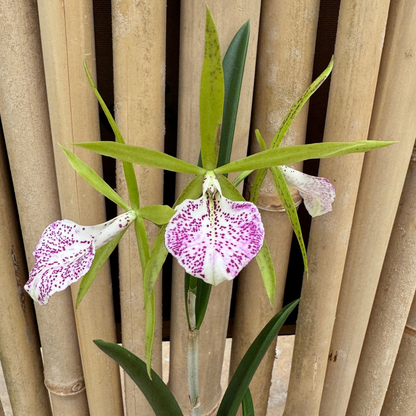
column 245, row 371
column 233, row 64
column 290, row 208
column 101, row 256
column 211, row 98
column 292, row 154
column 247, row 404
column 158, row 214
column 94, row 179
column 142, row 156
column 154, row 389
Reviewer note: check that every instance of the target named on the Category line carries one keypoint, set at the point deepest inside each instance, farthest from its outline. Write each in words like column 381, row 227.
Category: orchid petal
column 318, row 193
column 65, row 253
column 212, row 237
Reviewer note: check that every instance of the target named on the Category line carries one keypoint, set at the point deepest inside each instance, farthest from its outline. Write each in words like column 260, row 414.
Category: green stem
column 193, row 336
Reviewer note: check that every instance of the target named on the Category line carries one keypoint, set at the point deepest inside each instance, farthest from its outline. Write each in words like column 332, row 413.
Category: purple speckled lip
column 65, row 253
column 318, row 193
column 212, row 237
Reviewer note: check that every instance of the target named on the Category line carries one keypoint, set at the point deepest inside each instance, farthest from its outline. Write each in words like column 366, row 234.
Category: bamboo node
column 66, row 390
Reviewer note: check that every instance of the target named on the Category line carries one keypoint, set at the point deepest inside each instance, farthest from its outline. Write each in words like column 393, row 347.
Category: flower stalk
column 193, row 337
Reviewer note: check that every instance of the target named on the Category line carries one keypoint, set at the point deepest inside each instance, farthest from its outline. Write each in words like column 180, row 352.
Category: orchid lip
column 213, row 237
column 65, row 253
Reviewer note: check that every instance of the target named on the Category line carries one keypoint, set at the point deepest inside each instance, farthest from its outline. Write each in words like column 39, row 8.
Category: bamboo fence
column 355, row 332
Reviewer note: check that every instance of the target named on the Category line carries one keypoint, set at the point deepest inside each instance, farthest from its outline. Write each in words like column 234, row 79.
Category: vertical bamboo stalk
column 68, row 40
column 284, row 70
column 382, row 179
column 400, row 398
column 139, row 87
column 19, row 341
column 229, row 18
column 353, row 84
column 1, row 410
column 26, row 125
column 391, row 306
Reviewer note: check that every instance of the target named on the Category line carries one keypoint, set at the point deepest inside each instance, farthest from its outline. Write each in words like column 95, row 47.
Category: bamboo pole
column 37, row 194
column 391, row 306
column 284, row 70
column 400, row 398
column 379, row 193
column 19, row 340
column 353, row 84
column 1, row 410
column 68, row 40
column 229, row 18
column 139, row 84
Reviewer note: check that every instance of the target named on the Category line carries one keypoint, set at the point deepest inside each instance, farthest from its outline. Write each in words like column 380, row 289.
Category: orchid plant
column 212, row 230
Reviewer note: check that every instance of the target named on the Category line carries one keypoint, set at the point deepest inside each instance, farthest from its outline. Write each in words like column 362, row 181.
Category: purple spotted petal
column 65, row 253
column 318, row 193
column 213, row 238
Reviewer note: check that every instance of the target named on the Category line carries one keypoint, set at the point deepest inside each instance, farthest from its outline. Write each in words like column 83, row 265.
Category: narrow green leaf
column 155, row 390
column 268, row 274
column 263, row 258
column 241, row 177
column 211, row 98
column 150, row 313
column 94, row 179
column 247, row 404
column 299, row 104
column 257, row 183
column 101, row 256
column 291, row 211
column 260, row 140
column 142, row 156
column 233, row 66
column 129, row 174
column 202, row 292
column 251, row 360
column 142, row 242
column 291, row 154
column 158, row 214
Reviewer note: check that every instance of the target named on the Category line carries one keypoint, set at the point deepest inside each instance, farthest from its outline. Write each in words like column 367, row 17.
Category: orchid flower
column 65, row 253
column 212, row 237
column 318, row 193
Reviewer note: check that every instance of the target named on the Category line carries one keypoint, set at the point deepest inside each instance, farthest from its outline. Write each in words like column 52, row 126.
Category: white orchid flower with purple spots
column 318, row 193
column 212, row 237
column 65, row 253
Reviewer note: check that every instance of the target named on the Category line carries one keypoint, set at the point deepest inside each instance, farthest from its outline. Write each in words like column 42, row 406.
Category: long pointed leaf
column 128, row 167
column 101, row 256
column 291, row 211
column 247, row 404
column 233, row 65
column 250, row 362
column 142, row 156
column 292, row 154
column 294, row 110
column 211, row 98
column 155, row 390
column 94, row 179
